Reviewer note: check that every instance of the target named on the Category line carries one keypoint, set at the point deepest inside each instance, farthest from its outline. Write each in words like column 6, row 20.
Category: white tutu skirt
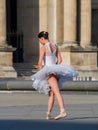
column 63, row 73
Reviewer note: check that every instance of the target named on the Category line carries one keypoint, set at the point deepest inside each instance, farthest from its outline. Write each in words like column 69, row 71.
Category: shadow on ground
column 46, row 125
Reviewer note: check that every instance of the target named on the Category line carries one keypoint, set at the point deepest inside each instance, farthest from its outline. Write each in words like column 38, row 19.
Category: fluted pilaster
column 52, row 19
column 85, row 20
column 70, row 21
column 55, row 20
column 60, row 20
column 43, row 12
column 2, row 22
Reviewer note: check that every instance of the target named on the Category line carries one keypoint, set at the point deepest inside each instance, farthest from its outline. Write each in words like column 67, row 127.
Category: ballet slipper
column 61, row 115
column 48, row 116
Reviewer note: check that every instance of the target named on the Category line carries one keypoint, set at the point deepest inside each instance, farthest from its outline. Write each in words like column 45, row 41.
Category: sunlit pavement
column 25, row 110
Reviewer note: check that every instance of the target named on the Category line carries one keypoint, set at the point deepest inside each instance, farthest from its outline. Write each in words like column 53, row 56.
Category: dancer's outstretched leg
column 55, row 88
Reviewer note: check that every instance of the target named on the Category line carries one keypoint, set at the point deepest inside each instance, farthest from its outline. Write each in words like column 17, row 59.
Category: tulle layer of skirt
column 63, row 73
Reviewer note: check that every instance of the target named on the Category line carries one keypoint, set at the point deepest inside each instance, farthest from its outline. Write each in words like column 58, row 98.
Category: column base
column 7, row 72
column 67, row 44
column 6, row 66
column 82, row 59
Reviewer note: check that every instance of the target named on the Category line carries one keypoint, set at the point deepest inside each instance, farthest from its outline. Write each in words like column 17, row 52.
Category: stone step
column 26, row 84
column 24, row 65
column 25, row 69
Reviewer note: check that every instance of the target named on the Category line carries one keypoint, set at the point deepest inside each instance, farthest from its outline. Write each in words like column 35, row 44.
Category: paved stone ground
column 25, row 110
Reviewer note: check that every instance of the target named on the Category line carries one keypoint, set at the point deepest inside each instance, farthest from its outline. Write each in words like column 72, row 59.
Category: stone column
column 85, row 20
column 6, row 69
column 70, row 22
column 60, row 21
column 52, row 19
column 2, row 23
column 55, row 20
column 43, row 11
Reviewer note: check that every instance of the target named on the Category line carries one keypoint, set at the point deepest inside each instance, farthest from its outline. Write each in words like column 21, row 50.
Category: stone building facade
column 72, row 24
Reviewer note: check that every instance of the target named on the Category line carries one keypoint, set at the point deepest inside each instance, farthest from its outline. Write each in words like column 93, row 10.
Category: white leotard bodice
column 50, row 57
